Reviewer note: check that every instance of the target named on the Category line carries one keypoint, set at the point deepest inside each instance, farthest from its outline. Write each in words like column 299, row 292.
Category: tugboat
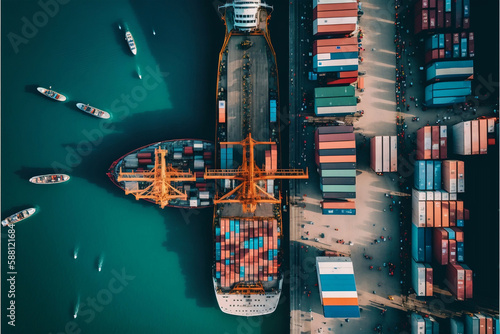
column 49, row 179
column 131, row 43
column 93, row 111
column 52, row 94
column 17, row 217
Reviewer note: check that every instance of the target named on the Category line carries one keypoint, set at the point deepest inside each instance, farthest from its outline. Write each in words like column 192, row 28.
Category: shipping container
column 483, row 136
column 461, row 69
column 445, row 219
column 336, row 137
column 337, row 188
column 428, row 245
column 437, row 175
column 443, row 142
column 326, row 92
column 418, row 243
column 386, row 154
column 339, row 195
column 449, row 175
column 456, row 326
column 338, row 165
column 394, row 153
column 429, row 213
column 440, row 14
column 418, row 212
column 460, row 176
column 469, row 276
column 440, row 246
column 435, row 142
column 420, row 180
column 429, row 175
column 375, row 155
column 333, row 4
column 474, row 137
column 471, row 324
column 471, row 44
column 338, row 204
column 334, row 13
column 348, row 74
column 338, row 180
column 338, row 173
column 429, row 280
column 222, row 111
column 417, row 324
column 455, row 280
column 418, row 278
column 338, row 211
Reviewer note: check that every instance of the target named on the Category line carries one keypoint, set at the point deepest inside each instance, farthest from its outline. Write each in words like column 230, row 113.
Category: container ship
column 247, row 223
column 168, row 173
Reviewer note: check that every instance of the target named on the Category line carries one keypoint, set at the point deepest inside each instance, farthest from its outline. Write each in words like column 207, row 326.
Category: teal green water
column 166, row 255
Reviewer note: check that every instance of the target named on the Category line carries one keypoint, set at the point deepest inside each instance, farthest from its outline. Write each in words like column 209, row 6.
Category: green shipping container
column 336, row 101
column 338, row 173
column 322, row 92
column 338, row 188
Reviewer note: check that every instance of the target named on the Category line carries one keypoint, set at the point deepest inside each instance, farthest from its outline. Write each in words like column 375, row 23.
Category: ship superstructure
column 247, row 212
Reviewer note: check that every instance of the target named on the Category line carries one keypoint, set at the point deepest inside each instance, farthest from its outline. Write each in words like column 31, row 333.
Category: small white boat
column 17, row 217
column 131, row 43
column 99, row 265
column 77, row 308
column 154, row 32
column 52, row 94
column 75, row 252
column 93, row 111
column 49, row 179
column 119, row 27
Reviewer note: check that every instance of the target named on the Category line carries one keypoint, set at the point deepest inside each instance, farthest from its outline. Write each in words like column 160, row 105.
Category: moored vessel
column 93, row 111
column 167, row 173
column 52, row 94
column 49, row 179
column 17, row 217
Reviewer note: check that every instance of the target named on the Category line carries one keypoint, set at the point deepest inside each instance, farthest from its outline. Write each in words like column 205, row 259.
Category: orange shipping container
column 337, row 158
column 340, row 301
column 475, row 136
column 445, row 219
column 222, row 116
column 336, row 144
column 348, row 74
column 339, row 205
column 429, row 214
column 337, row 6
column 336, row 41
column 336, row 28
column 437, row 214
column 361, row 83
column 453, row 213
column 483, row 136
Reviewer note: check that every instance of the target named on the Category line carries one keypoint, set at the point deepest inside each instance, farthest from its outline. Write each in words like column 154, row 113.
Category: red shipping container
column 440, row 14
column 441, row 53
column 460, row 210
column 188, row 150
column 471, row 44
column 453, row 213
column 455, row 279
column 431, row 55
column 447, row 42
column 432, row 19
column 466, row 214
column 459, row 234
column 144, row 155
column 456, row 38
column 447, row 20
column 145, row 161
column 336, row 41
column 348, row 74
column 429, row 213
column 452, row 251
column 435, row 142
column 342, row 81
column 336, row 137
column 437, row 214
column 443, row 148
column 445, row 219
column 336, row 29
column 489, row 320
column 475, row 136
column 337, row 6
column 432, row 3
column 482, row 324
column 466, row 23
column 429, row 288
column 334, row 13
column 440, row 246
column 483, row 136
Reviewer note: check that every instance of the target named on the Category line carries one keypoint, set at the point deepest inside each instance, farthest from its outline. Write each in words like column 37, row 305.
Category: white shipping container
column 491, row 125
column 417, row 324
column 270, row 186
column 323, row 56
column 132, row 156
column 430, row 195
column 386, row 152
column 335, row 110
column 418, row 213
column 418, row 277
column 453, row 197
column 394, row 154
column 443, row 131
column 222, row 105
column 338, row 62
column 467, row 138
column 378, row 154
column 199, row 164
column 462, row 138
column 337, row 20
column 131, row 185
column 428, row 140
column 454, row 71
column 204, row 195
column 420, row 195
column 445, row 196
column 178, row 155
column 437, row 195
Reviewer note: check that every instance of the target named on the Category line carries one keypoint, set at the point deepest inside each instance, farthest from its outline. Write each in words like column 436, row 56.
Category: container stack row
column 335, row 101
column 246, row 250
column 337, row 55
column 432, row 142
column 271, row 164
column 477, row 323
column 337, row 287
column 450, row 70
column 423, row 325
column 473, row 137
column 437, row 213
column 449, row 45
column 226, row 156
column 448, row 245
column 422, row 278
column 447, row 93
column 335, row 17
column 459, row 280
column 336, row 159
column 439, row 14
column 384, row 154
column 448, row 175
column 338, row 207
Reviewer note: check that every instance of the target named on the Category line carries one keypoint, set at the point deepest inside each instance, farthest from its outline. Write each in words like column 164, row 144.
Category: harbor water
column 155, row 264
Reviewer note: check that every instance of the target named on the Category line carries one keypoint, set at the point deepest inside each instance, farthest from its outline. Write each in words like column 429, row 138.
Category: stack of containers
column 336, row 159
column 222, row 111
column 448, row 245
column 338, row 207
column 459, row 281
column 456, row 326
column 337, row 287
column 471, row 137
column 428, row 175
column 271, row 163
column 447, row 93
column 335, row 17
column 423, row 325
column 384, row 154
column 337, row 55
column 335, row 101
column 434, row 48
column 479, row 323
column 432, row 14
column 432, row 142
column 272, row 110
column 450, row 70
column 246, row 251
column 453, row 176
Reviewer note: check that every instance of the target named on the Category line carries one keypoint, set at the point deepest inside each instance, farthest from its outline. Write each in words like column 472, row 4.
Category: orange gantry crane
column 248, row 193
column 160, row 191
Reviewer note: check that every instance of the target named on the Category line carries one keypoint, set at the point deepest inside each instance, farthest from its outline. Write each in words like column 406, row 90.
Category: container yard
column 433, row 234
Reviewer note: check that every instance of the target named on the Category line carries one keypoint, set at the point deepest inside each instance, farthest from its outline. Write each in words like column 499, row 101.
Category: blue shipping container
column 429, row 183
column 337, row 282
column 441, row 41
column 471, row 324
column 447, row 6
column 428, row 326
column 324, row 69
column 463, row 47
column 432, row 42
column 428, row 245
column 460, row 252
column 420, row 175
column 447, row 54
column 466, row 8
column 451, row 85
column 418, row 243
column 445, row 101
column 346, row 311
column 456, row 51
column 437, row 175
column 450, row 92
column 339, row 211
column 451, row 233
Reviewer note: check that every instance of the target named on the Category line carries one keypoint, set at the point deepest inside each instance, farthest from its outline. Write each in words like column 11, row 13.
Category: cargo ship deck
column 247, row 281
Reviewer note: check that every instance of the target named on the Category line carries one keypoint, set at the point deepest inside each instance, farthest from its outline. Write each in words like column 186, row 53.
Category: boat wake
column 75, row 252
column 99, row 264
column 77, row 307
